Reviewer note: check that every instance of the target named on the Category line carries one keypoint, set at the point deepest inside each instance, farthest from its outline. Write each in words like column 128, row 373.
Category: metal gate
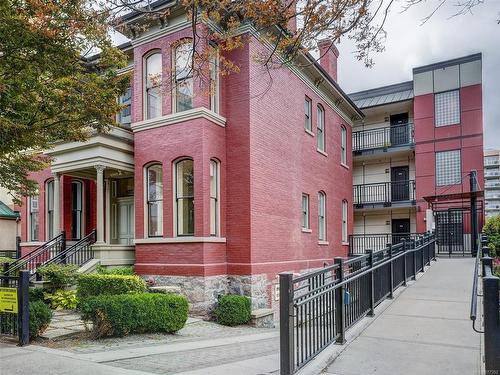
column 450, row 231
column 14, row 312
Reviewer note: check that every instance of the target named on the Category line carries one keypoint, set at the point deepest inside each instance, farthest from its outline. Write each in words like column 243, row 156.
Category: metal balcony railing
column 491, row 173
column 384, row 192
column 390, row 136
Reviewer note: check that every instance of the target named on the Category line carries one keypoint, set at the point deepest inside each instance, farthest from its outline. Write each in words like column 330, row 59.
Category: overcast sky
column 410, row 45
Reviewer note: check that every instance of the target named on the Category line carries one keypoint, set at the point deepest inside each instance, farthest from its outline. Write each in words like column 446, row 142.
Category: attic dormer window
column 183, row 76
column 153, row 85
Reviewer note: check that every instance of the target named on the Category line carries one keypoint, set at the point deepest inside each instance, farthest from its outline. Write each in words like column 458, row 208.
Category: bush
column 95, row 284
column 36, row 294
column 492, row 230
column 5, row 260
column 59, row 275
column 120, row 315
column 233, row 310
column 62, row 299
column 115, row 270
column 40, row 317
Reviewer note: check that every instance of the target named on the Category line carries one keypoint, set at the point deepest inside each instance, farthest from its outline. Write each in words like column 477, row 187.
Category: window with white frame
column 214, row 198
column 343, row 145
column 321, row 128
column 125, row 100
column 153, row 85
column 154, row 200
column 183, row 76
column 448, row 168
column 214, row 78
column 344, row 220
column 308, row 114
column 49, row 192
column 184, row 197
column 322, row 216
column 447, row 108
column 76, row 209
column 34, row 218
column 305, row 211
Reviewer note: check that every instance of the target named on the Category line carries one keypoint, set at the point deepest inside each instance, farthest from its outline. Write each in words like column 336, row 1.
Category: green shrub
column 115, row 270
column 492, row 230
column 59, row 275
column 5, row 260
column 40, row 317
column 233, row 310
column 36, row 294
column 95, row 284
column 62, row 299
column 120, row 315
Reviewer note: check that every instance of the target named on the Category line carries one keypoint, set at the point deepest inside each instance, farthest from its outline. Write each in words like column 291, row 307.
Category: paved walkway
column 64, row 323
column 426, row 330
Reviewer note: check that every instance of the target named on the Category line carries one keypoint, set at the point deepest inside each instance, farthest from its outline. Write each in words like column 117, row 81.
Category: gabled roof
column 383, row 95
column 6, row 212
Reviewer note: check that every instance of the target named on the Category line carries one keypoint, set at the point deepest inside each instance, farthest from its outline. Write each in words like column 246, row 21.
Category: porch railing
column 386, row 137
column 384, row 192
column 317, row 308
column 359, row 243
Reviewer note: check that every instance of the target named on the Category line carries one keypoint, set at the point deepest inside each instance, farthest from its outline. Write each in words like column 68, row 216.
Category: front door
column 125, row 221
column 399, row 129
column 400, row 186
column 400, row 230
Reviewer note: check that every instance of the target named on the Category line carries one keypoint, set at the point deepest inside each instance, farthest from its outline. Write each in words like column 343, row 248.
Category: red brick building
column 214, row 193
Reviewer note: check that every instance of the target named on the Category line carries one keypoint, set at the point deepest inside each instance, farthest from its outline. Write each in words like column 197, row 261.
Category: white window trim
column 29, row 231
column 343, row 146
column 173, row 75
column 308, row 129
column 325, row 225
column 345, row 228
column 144, row 84
column 146, row 200
column 47, row 234
column 308, row 213
column 320, row 116
column 218, row 217
column 83, row 203
column 174, row 199
column 215, row 96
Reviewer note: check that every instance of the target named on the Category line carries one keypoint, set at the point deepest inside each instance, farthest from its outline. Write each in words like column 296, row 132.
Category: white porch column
column 57, row 203
column 100, row 203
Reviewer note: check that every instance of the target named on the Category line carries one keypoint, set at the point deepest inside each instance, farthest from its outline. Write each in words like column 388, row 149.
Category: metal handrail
column 63, row 256
column 383, row 137
column 384, row 192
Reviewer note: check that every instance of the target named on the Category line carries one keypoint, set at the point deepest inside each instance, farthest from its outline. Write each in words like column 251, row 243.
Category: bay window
column 154, row 200
column 184, row 197
column 153, row 85
column 183, row 76
column 214, row 198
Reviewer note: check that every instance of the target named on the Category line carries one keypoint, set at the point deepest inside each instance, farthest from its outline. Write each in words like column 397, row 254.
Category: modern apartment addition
column 414, row 151
column 492, row 182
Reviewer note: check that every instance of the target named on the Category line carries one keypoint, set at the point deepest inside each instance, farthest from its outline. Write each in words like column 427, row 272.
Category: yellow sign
column 8, row 300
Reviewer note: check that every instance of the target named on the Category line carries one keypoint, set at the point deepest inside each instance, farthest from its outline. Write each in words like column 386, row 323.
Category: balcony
column 390, row 138
column 492, row 185
column 491, row 162
column 491, row 174
column 385, row 194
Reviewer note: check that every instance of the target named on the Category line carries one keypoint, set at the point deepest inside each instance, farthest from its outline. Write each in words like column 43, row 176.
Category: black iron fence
column 14, row 310
column 390, row 136
column 317, row 308
column 491, row 308
column 359, row 243
column 384, row 192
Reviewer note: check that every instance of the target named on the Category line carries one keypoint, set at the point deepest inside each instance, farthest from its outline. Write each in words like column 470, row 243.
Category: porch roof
column 7, row 213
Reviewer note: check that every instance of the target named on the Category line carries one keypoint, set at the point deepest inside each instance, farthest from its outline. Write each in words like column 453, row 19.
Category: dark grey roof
column 383, row 95
column 444, row 64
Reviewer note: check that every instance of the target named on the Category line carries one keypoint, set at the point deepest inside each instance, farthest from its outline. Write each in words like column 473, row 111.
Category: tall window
column 344, row 221
column 154, row 199
column 214, row 79
column 308, row 113
column 34, row 222
column 153, row 85
column 343, row 145
column 183, row 76
column 126, row 101
column 448, row 168
column 447, row 108
column 321, row 128
column 214, row 198
column 305, row 211
column 49, row 191
column 184, row 196
column 76, row 209
column 322, row 216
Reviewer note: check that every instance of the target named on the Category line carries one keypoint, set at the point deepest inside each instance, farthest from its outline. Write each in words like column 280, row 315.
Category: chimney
column 328, row 57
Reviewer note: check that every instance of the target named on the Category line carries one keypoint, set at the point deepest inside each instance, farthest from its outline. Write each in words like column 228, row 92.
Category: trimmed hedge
column 36, row 294
column 115, row 270
column 93, row 284
column 59, row 275
column 40, row 317
column 120, row 315
column 233, row 310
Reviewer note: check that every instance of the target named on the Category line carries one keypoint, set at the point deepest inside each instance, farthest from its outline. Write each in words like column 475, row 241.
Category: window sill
column 187, row 239
column 309, row 132
column 32, row 243
column 322, row 152
column 323, row 243
column 345, row 243
column 344, row 165
column 306, row 230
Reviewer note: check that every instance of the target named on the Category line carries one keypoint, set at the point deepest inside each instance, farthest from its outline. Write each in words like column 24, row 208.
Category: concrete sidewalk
column 426, row 330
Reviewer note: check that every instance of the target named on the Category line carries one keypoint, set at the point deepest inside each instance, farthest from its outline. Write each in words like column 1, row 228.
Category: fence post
column 18, row 247
column 286, row 324
column 491, row 323
column 414, row 263
column 404, row 262
column 341, row 302
column 23, row 313
column 372, row 286
column 391, row 272
column 423, row 246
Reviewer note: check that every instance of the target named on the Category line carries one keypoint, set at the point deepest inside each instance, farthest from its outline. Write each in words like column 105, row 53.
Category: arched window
column 322, row 216
column 49, row 193
column 183, row 76
column 153, row 85
column 184, row 197
column 343, row 145
column 76, row 209
column 154, row 200
column 214, row 198
column 321, row 128
column 344, row 221
column 33, row 217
